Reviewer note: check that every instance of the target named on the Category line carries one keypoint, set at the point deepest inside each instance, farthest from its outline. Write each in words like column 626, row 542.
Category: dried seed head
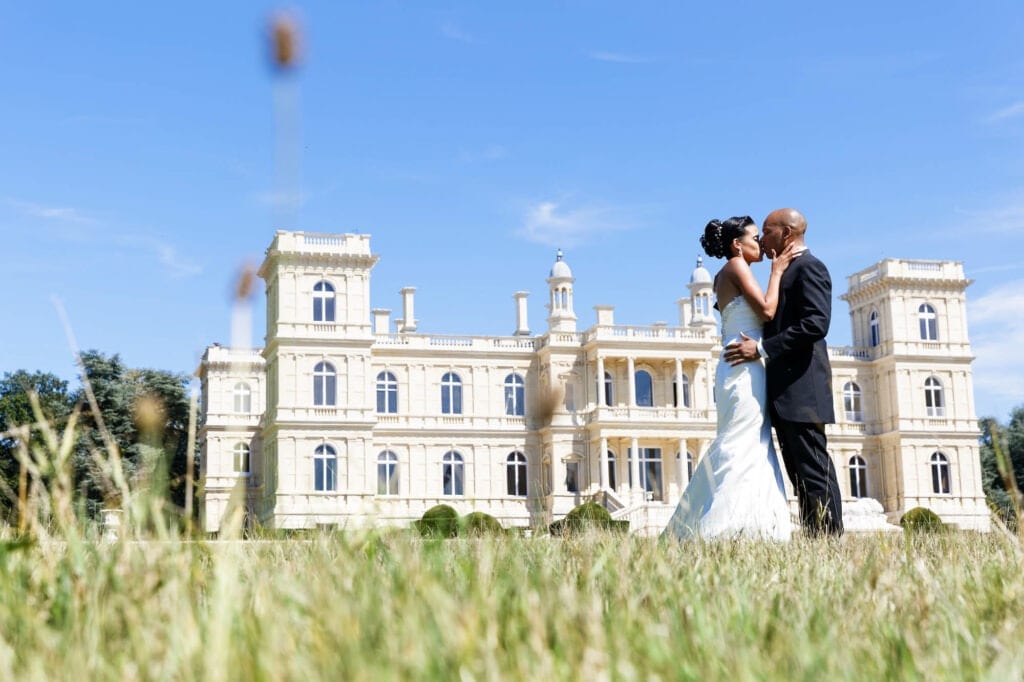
column 548, row 401
column 245, row 284
column 285, row 42
column 150, row 414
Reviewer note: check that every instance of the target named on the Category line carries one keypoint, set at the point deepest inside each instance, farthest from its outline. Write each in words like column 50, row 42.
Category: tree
column 16, row 410
column 1011, row 439
column 145, row 412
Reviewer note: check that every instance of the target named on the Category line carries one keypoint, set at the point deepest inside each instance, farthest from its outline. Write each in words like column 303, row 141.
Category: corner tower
column 320, row 399
column 910, row 317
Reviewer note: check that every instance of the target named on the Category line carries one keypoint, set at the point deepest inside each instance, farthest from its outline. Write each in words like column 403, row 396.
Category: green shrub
column 586, row 516
column 441, row 521
column 921, row 520
column 479, row 523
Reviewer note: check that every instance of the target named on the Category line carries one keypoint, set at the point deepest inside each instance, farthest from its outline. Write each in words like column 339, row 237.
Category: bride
column 736, row 489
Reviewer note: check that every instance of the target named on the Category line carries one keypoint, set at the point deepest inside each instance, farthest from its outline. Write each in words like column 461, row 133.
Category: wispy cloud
column 453, row 32
column 551, row 224
column 58, row 213
column 166, row 254
column 1013, row 111
column 618, row 57
column 986, row 269
column 1007, row 219
column 996, row 329
column 492, row 152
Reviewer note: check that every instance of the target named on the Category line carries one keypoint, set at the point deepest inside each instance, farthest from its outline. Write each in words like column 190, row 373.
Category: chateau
column 346, row 418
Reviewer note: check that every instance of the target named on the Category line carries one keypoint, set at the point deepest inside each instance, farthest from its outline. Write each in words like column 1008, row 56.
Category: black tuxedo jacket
column 799, row 373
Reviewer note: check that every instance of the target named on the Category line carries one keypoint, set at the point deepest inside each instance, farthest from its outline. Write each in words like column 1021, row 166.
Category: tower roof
column 700, row 275
column 560, row 268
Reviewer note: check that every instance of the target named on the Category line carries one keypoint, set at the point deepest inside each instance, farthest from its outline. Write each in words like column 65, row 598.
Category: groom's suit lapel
column 789, row 278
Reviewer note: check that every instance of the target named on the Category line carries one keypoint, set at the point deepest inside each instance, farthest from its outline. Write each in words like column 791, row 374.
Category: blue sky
column 138, row 172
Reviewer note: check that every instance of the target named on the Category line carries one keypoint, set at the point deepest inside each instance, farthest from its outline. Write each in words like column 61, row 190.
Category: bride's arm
column 764, row 304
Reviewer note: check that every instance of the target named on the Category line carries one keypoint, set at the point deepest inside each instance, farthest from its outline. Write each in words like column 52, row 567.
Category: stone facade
column 345, row 420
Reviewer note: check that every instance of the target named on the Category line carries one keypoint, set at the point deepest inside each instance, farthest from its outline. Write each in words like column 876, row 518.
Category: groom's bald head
column 782, row 227
column 788, row 217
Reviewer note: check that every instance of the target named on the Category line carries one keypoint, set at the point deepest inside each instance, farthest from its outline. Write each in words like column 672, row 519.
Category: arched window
column 684, row 383
column 325, row 383
column 874, row 332
column 451, row 394
column 452, row 468
column 858, row 477
column 689, row 465
column 243, row 398
column 241, row 458
column 387, row 473
column 644, row 389
column 940, row 474
column 611, row 470
column 934, row 401
column 851, row 402
column 929, row 322
column 325, row 468
column 387, row 393
column 323, row 302
column 515, row 390
column 515, row 474
column 609, row 400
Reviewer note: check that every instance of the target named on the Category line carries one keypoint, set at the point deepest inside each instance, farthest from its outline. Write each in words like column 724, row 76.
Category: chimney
column 522, row 327
column 605, row 315
column 684, row 312
column 408, row 320
column 381, row 321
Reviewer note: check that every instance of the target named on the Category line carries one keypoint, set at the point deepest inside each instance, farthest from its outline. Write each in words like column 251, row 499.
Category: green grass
column 594, row 606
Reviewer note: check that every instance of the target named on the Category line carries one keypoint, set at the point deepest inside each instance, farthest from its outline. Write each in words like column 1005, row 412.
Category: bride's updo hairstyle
column 718, row 235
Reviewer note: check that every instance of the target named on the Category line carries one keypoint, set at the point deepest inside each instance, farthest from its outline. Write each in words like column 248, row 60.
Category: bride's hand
column 781, row 261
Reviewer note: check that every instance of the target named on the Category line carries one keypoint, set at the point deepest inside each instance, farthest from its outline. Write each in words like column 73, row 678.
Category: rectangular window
column 572, row 477
column 324, row 474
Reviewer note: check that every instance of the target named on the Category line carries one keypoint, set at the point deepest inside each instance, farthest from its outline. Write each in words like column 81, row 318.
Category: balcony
column 451, row 422
column 653, row 334
column 435, row 342
column 233, row 420
column 610, row 415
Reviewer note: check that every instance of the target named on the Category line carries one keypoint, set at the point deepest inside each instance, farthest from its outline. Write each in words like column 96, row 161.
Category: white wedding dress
column 737, row 488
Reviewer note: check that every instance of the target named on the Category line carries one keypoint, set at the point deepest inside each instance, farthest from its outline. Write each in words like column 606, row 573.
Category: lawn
column 596, row 606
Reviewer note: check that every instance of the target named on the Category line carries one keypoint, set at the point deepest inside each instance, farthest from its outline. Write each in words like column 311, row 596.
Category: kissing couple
column 773, row 372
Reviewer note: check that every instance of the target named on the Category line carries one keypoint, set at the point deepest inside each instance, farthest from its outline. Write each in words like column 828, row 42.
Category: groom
column 799, row 374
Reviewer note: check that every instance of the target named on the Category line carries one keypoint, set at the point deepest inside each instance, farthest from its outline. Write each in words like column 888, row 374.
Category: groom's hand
column 738, row 352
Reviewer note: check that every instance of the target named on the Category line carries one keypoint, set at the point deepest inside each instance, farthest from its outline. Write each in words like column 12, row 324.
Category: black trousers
column 813, row 475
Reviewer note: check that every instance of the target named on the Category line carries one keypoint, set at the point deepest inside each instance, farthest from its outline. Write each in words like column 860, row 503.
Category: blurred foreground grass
column 597, row 606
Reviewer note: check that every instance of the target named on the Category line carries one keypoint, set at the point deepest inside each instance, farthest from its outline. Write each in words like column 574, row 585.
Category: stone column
column 630, row 369
column 682, row 475
column 634, row 465
column 601, row 398
column 603, row 464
